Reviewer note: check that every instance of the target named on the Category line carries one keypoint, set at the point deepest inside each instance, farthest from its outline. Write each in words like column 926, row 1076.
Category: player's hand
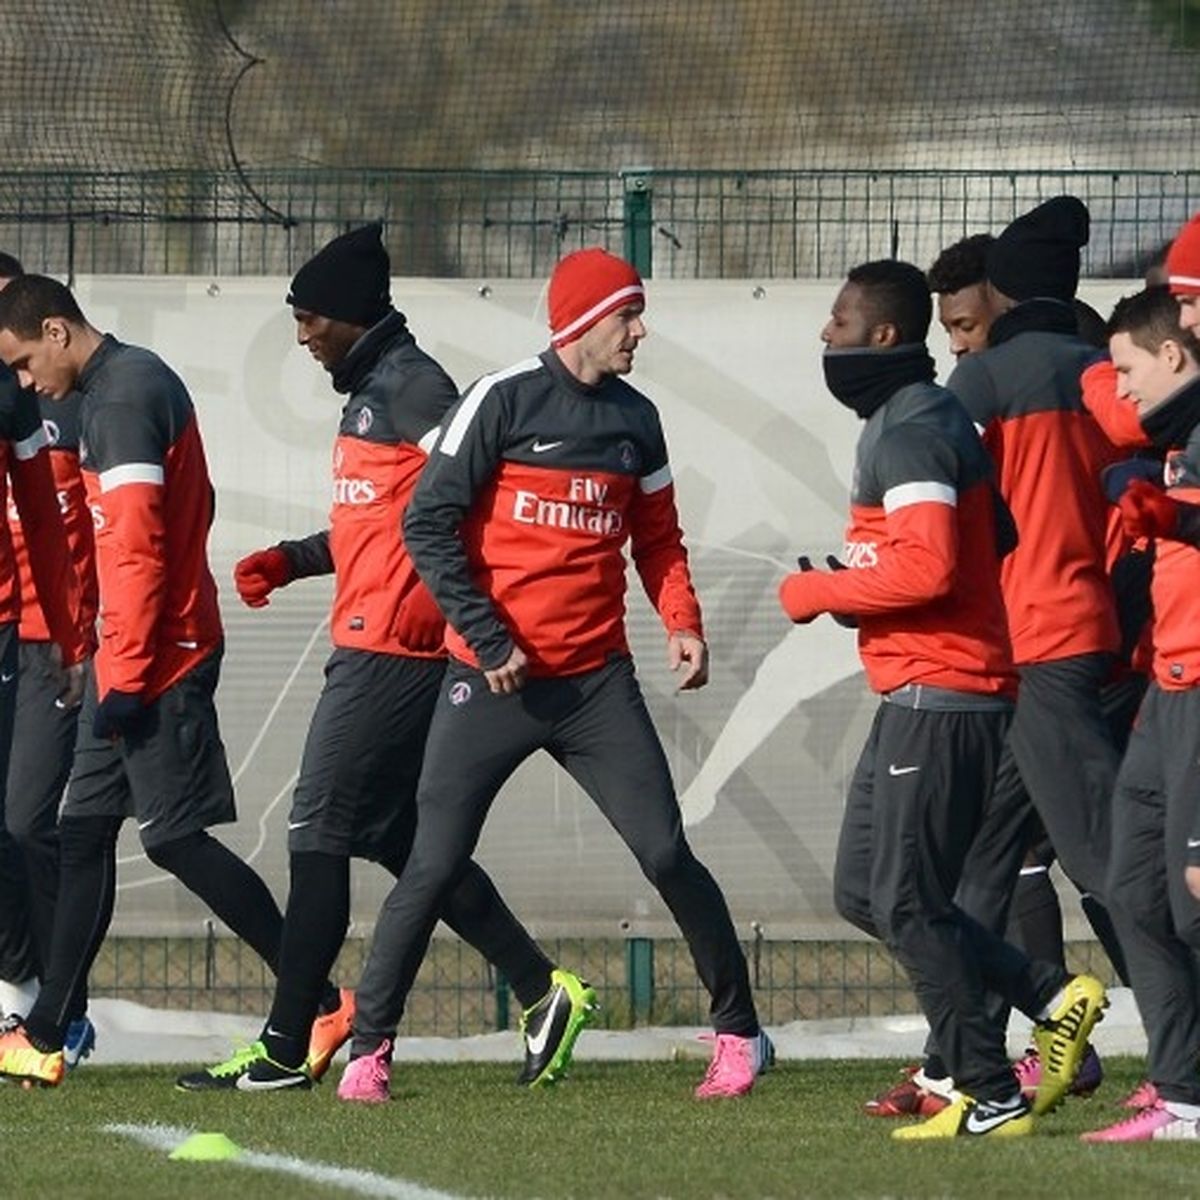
column 1147, row 511
column 795, row 594
column 1116, row 479
column 688, row 654
column 118, row 715
column 257, row 575
column 1191, row 876
column 71, row 680
column 845, row 620
column 511, row 677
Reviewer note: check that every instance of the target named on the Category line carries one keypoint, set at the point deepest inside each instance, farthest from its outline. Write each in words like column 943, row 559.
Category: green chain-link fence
column 514, row 224
column 458, row 994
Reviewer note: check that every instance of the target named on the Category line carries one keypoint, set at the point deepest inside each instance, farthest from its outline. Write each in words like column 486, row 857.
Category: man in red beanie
column 1183, row 273
column 541, row 476
column 358, row 776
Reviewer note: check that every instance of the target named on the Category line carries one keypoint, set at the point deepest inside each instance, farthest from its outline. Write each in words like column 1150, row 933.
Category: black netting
column 251, row 113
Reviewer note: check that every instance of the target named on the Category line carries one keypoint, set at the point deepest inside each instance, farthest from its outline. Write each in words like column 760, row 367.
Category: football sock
column 1035, row 923
column 318, row 914
column 87, row 890
column 233, row 891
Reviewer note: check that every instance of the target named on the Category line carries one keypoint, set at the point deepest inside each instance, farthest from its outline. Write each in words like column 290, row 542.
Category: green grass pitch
column 612, row 1129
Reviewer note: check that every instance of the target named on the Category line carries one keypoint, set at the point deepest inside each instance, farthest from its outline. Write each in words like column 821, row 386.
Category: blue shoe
column 79, row 1042
column 764, row 1052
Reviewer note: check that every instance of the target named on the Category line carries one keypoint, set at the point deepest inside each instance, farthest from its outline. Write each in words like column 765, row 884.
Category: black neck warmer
column 1040, row 315
column 864, row 379
column 1170, row 425
column 364, row 354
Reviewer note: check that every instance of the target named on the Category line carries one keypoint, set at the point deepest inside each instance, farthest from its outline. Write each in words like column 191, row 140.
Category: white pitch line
column 363, row 1183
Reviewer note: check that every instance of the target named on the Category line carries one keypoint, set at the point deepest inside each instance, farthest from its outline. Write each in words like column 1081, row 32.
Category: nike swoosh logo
column 1193, row 843
column 147, row 824
column 542, row 447
column 538, row 1043
column 977, row 1124
column 7, row 676
column 895, row 770
column 298, row 824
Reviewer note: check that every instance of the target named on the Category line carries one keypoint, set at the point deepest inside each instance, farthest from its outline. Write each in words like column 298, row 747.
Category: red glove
column 1147, row 511
column 257, row 575
column 795, row 596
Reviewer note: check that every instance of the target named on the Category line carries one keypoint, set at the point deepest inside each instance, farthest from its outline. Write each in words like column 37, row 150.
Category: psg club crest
column 460, row 693
column 51, row 428
column 628, row 455
column 364, row 421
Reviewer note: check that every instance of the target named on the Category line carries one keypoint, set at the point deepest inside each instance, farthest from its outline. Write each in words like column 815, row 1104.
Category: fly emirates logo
column 583, row 509
column 346, row 488
column 860, row 554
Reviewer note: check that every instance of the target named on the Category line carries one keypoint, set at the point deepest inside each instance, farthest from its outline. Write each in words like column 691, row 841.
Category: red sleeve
column 46, row 542
column 656, row 542
column 1116, row 415
column 131, row 559
column 916, row 564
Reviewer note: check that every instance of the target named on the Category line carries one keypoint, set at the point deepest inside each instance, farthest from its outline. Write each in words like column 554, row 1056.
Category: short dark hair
column 10, row 267
column 1150, row 317
column 30, row 299
column 960, row 265
column 897, row 294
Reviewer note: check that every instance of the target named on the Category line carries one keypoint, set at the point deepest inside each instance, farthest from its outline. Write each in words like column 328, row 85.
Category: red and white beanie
column 588, row 285
column 1183, row 260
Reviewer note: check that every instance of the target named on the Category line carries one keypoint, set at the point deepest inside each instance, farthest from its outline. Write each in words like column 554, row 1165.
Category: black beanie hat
column 1038, row 254
column 347, row 280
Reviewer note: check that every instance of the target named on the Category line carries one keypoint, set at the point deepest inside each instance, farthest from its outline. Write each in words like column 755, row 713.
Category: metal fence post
column 639, row 976
column 639, row 219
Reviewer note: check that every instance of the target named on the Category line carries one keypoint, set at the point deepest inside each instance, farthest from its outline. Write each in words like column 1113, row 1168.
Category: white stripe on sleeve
column 656, row 480
column 26, row 448
column 116, row 477
column 924, row 492
column 474, row 398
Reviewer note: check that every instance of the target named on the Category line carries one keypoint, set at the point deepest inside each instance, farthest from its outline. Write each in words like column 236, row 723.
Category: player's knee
column 83, row 839
column 1128, row 896
column 1187, row 922
column 30, row 830
column 900, row 925
column 667, row 861
column 174, row 856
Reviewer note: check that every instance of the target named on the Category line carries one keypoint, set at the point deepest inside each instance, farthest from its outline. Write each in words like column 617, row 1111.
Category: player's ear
column 57, row 330
column 884, row 334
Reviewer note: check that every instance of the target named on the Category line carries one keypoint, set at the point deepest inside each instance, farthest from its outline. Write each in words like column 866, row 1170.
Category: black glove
column 118, row 715
column 835, row 564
